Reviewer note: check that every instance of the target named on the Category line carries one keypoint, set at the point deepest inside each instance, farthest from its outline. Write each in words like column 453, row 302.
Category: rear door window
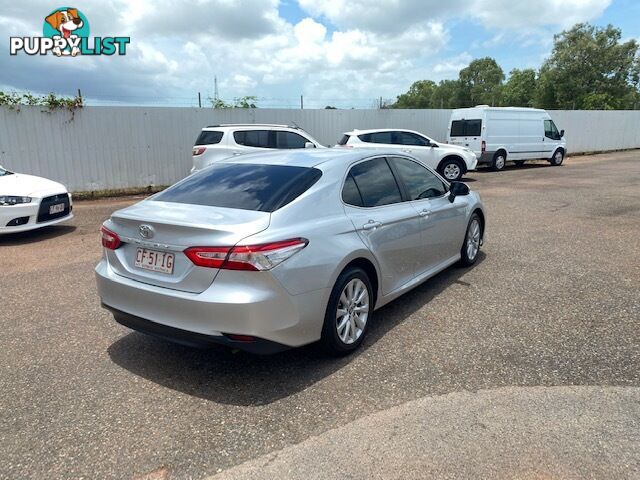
column 288, row 140
column 375, row 182
column 208, row 137
column 257, row 187
column 255, row 138
column 466, row 128
column 376, row 137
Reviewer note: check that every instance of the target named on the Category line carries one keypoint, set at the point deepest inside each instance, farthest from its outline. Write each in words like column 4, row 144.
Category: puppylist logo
column 65, row 33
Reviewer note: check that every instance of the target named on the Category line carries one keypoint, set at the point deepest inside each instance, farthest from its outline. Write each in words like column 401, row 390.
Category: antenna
column 215, row 88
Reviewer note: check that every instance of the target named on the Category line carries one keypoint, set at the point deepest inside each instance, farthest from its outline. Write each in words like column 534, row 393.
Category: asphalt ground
column 543, row 331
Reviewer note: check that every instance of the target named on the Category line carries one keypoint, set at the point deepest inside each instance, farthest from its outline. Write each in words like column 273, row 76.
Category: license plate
column 154, row 260
column 58, row 208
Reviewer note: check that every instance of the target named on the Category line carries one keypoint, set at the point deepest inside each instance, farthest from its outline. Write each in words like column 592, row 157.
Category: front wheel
column 471, row 245
column 557, row 158
column 348, row 312
column 451, row 170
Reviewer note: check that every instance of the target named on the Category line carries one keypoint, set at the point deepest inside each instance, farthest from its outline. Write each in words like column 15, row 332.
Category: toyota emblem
column 146, row 231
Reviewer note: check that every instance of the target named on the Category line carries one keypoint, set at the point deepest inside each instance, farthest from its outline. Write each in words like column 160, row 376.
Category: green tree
column 520, row 89
column 248, row 101
column 445, row 94
column 480, row 83
column 418, row 96
column 590, row 68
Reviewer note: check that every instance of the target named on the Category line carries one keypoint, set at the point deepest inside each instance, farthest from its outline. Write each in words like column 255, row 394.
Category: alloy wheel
column 352, row 311
column 473, row 239
column 452, row 171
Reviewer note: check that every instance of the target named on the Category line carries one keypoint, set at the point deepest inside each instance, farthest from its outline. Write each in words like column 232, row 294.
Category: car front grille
column 47, row 202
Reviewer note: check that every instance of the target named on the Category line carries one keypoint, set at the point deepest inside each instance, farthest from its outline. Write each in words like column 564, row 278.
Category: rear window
column 466, row 128
column 208, row 137
column 344, row 140
column 255, row 138
column 263, row 188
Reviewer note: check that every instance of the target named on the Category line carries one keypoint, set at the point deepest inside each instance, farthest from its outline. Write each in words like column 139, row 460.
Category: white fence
column 118, row 147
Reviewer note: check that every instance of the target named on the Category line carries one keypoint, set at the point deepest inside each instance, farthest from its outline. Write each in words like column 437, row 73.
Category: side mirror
column 309, row 145
column 457, row 188
column 561, row 133
column 433, row 145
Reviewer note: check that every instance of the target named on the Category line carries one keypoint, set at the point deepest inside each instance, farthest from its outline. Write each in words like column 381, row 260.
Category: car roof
column 376, row 130
column 308, row 157
column 249, row 125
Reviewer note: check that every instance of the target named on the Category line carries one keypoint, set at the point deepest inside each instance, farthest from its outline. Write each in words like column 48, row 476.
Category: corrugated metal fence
column 119, row 147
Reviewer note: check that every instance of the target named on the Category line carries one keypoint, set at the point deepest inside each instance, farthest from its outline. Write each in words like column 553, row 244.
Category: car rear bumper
column 261, row 308
column 257, row 346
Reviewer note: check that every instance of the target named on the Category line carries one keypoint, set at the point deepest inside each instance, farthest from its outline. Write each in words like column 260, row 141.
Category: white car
column 28, row 202
column 451, row 161
column 501, row 134
column 218, row 142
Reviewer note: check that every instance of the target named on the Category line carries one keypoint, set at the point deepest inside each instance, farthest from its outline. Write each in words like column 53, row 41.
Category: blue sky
column 345, row 53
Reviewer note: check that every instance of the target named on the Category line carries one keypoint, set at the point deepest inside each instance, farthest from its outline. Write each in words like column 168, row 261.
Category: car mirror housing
column 457, row 188
column 309, row 145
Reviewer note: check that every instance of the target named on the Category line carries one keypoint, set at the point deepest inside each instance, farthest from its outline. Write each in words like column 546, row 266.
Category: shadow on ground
column 34, row 236
column 237, row 378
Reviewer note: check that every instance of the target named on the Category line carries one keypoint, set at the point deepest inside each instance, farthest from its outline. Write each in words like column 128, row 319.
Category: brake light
column 247, row 257
column 110, row 240
column 483, row 146
column 198, row 151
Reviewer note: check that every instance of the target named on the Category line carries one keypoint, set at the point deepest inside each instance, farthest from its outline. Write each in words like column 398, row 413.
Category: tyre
column 519, row 163
column 557, row 158
column 349, row 312
column 451, row 169
column 499, row 161
column 471, row 245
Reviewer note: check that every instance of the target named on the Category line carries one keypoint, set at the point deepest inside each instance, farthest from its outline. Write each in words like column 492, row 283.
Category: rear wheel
column 451, row 169
column 557, row 158
column 499, row 160
column 348, row 312
column 471, row 245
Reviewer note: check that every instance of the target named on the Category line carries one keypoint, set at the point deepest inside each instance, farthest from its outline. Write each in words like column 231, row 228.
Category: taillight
column 110, row 240
column 198, row 151
column 247, row 257
column 483, row 146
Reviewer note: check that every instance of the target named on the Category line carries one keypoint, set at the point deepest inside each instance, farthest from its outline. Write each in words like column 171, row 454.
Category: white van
column 501, row 134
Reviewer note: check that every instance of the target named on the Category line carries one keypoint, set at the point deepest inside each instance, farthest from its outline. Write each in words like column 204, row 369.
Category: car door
column 442, row 221
column 552, row 138
column 288, row 140
column 388, row 226
column 418, row 146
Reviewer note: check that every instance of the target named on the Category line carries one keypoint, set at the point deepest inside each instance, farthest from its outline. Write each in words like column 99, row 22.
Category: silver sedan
column 278, row 250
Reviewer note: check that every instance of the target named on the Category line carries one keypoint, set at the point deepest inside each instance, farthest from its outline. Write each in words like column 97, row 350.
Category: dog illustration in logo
column 66, row 22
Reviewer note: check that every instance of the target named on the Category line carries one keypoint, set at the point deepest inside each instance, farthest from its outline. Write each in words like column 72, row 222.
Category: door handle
column 371, row 225
column 406, row 150
column 237, row 153
column 424, row 212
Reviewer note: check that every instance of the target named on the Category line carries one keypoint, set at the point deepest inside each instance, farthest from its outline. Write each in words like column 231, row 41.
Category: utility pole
column 199, row 101
column 301, row 102
column 215, row 88
column 80, row 95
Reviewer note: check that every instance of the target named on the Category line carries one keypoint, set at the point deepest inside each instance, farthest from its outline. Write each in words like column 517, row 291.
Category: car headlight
column 13, row 200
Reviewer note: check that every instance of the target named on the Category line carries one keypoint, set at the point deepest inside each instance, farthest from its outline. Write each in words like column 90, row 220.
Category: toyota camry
column 281, row 249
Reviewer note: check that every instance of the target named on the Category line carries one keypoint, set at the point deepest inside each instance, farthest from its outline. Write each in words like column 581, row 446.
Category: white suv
column 450, row 161
column 218, row 142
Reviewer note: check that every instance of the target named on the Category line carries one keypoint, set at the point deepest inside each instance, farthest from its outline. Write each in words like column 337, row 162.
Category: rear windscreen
column 263, row 188
column 466, row 128
column 344, row 140
column 207, row 137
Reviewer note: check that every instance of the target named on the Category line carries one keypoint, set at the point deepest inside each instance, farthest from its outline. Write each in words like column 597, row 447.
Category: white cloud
column 344, row 49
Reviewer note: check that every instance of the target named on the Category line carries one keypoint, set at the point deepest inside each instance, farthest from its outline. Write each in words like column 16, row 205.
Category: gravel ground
column 552, row 302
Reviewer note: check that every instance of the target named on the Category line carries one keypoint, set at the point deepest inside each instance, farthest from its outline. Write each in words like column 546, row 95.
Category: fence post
column 199, row 101
column 80, row 95
column 301, row 103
